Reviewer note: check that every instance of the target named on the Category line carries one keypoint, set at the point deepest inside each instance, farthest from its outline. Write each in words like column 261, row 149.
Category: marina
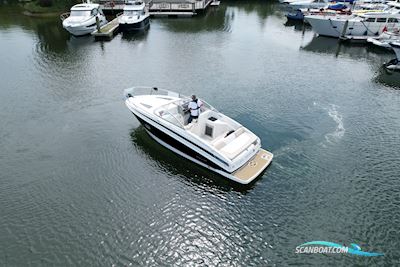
column 84, row 183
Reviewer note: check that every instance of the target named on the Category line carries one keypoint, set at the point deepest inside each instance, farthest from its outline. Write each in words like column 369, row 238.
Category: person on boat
column 194, row 108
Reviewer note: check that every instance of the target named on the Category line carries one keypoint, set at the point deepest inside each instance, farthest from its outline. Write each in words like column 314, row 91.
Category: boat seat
column 233, row 144
column 238, row 144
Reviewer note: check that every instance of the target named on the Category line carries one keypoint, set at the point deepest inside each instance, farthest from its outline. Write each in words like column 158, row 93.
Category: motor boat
column 296, row 15
column 134, row 17
column 394, row 64
column 82, row 19
column 213, row 141
column 385, row 39
column 308, row 4
column 363, row 24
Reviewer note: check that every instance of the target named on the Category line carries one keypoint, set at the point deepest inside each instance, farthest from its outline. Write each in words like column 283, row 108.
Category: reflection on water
column 321, row 44
column 297, row 25
column 135, row 36
column 213, row 19
column 172, row 163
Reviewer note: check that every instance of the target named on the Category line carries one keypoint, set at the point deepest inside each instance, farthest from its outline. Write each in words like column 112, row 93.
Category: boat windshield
column 172, row 113
column 177, row 112
column 80, row 13
column 132, row 13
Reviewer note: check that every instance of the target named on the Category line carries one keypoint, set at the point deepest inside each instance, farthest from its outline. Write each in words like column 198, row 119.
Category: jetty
column 173, row 8
column 107, row 31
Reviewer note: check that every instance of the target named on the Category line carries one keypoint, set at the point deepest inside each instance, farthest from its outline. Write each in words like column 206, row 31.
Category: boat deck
column 107, row 31
column 254, row 167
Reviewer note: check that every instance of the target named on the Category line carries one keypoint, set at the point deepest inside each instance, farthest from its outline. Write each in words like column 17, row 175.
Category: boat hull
column 333, row 27
column 137, row 26
column 244, row 175
column 83, row 29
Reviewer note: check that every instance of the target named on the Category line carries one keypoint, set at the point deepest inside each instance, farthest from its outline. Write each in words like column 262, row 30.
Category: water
column 82, row 184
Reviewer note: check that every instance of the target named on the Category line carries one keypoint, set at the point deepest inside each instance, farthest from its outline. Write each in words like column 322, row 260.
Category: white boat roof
column 84, row 6
column 134, row 6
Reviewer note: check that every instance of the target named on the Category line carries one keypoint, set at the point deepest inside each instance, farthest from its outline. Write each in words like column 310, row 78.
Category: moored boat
column 364, row 24
column 213, row 141
column 134, row 17
column 82, row 19
column 384, row 39
column 394, row 64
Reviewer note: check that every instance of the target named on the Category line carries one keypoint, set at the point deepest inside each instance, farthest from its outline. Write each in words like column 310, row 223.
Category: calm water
column 82, row 184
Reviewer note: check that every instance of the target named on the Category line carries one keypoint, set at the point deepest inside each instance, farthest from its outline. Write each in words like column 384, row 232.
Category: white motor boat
column 364, row 24
column 82, row 19
column 394, row 64
column 214, row 141
column 134, row 17
column 308, row 4
column 384, row 39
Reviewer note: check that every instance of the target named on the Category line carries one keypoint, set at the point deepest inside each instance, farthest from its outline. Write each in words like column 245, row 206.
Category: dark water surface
column 82, row 184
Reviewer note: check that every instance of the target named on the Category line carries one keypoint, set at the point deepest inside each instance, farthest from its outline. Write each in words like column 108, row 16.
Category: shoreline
column 42, row 15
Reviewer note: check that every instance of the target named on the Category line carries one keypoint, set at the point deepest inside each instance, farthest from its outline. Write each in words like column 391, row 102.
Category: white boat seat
column 238, row 144
column 233, row 144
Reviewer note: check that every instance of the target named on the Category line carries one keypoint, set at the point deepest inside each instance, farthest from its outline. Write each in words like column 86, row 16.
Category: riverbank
column 46, row 8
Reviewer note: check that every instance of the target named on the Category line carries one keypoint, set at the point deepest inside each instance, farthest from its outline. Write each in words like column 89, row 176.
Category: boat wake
column 339, row 131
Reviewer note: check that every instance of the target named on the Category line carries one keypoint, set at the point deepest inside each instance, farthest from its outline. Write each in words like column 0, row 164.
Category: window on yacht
column 131, row 13
column 381, row 20
column 370, row 20
column 80, row 13
column 392, row 20
column 94, row 12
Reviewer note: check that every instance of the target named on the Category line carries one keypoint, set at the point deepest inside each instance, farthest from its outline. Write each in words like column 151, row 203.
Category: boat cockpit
column 212, row 127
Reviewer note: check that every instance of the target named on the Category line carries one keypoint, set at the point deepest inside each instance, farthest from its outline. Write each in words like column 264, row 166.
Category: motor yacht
column 361, row 24
column 385, row 39
column 213, row 141
column 134, row 17
column 308, row 4
column 82, row 19
column 394, row 64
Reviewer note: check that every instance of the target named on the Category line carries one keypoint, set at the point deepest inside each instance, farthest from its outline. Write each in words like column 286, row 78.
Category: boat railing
column 65, row 15
column 146, row 90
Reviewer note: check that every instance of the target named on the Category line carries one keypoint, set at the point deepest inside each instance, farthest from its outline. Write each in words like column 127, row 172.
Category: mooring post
column 343, row 35
column 98, row 24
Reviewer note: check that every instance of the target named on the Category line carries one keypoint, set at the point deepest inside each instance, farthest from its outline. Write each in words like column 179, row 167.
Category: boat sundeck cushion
column 238, row 144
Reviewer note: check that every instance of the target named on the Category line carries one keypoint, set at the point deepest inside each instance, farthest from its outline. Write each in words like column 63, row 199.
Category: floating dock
column 355, row 38
column 161, row 7
column 107, row 31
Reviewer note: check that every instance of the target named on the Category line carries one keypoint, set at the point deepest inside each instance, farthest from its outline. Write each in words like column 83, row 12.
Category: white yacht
column 308, row 4
column 385, row 39
column 213, row 141
column 134, row 17
column 82, row 19
column 364, row 24
column 394, row 64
